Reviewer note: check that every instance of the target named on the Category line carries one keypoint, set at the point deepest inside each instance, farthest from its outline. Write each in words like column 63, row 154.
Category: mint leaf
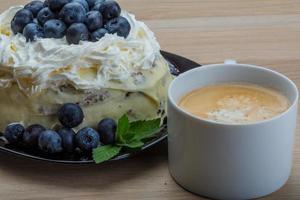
column 136, row 131
column 105, row 153
column 123, row 126
column 144, row 129
column 130, row 135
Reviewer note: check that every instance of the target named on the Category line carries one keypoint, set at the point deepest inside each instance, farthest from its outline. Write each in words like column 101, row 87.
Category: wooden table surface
column 262, row 32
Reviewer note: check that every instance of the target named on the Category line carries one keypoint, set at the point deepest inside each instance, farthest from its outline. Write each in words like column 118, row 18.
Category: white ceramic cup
column 230, row 161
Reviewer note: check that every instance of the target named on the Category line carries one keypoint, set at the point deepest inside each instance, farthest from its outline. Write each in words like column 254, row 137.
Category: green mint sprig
column 129, row 135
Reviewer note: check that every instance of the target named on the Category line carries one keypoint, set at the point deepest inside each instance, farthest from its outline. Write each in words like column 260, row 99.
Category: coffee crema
column 234, row 103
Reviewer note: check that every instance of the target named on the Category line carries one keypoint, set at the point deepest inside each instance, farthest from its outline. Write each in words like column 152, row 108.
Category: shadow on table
column 84, row 176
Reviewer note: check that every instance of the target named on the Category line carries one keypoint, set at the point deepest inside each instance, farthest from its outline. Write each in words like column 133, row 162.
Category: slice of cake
column 92, row 54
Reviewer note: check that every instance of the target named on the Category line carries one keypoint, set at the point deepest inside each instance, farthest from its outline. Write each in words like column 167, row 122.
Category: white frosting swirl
column 112, row 62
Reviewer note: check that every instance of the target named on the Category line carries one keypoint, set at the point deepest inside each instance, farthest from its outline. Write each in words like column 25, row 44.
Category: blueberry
column 93, row 20
column 92, row 3
column 44, row 15
column 46, row 3
column 77, row 32
column 118, row 25
column 73, row 13
column 54, row 28
column 50, row 142
column 70, row 115
column 68, row 139
column 33, row 31
column 31, row 135
column 20, row 20
column 98, row 34
column 83, row 3
column 14, row 133
column 87, row 139
column 107, row 130
column 34, row 7
column 99, row 6
column 57, row 5
column 111, row 9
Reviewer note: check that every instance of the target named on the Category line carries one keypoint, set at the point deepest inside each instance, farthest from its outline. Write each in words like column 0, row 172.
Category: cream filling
column 112, row 62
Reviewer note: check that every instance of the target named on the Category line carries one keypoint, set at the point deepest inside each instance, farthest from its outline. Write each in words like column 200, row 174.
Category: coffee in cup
column 234, row 103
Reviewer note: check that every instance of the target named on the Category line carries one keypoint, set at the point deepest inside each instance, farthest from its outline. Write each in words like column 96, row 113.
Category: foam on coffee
column 235, row 103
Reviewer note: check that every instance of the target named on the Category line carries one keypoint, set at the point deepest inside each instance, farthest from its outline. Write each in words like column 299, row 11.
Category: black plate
column 180, row 63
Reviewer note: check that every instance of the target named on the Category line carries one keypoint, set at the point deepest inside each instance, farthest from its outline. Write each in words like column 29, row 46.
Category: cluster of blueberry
column 78, row 20
column 65, row 139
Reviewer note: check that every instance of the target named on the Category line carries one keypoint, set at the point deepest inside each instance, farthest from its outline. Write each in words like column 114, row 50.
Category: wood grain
column 262, row 32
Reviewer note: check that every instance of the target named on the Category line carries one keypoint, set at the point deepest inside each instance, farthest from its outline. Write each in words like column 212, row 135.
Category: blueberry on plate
column 57, row 5
column 14, row 133
column 46, row 3
column 107, row 130
column 92, row 3
column 77, row 32
column 70, row 115
column 98, row 6
column 34, row 7
column 98, row 34
column 111, row 9
column 118, row 25
column 94, row 20
column 87, row 139
column 44, row 15
column 50, row 142
column 20, row 20
column 68, row 139
column 73, row 13
column 31, row 135
column 54, row 28
column 33, row 31
column 83, row 3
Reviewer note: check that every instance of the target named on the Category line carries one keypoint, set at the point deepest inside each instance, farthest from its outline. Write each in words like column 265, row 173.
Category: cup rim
column 203, row 67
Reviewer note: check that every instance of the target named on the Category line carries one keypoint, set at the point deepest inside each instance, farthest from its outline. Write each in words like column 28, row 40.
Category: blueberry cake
column 86, row 52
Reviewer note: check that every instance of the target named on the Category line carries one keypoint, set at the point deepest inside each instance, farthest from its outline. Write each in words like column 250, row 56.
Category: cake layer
column 97, row 104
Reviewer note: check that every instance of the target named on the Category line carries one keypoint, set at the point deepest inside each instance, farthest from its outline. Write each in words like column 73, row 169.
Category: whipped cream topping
column 111, row 62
